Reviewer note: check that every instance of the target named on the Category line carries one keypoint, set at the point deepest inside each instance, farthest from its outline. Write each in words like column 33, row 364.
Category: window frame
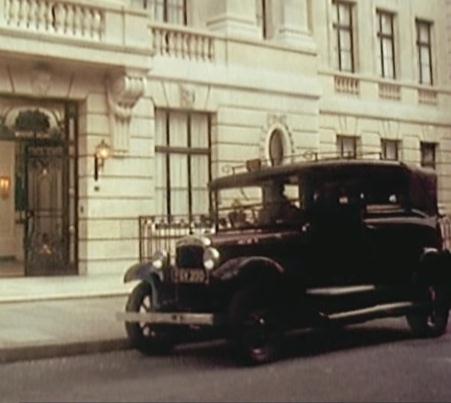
column 381, row 36
column 421, row 45
column 384, row 146
column 340, row 146
column 168, row 150
column 147, row 4
column 339, row 27
column 262, row 20
column 432, row 146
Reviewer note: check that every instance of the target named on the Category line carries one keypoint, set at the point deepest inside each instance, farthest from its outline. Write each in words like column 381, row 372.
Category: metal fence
column 162, row 232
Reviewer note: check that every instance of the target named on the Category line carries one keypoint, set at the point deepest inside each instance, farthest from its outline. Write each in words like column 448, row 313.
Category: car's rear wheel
column 256, row 333
column 432, row 321
column 146, row 337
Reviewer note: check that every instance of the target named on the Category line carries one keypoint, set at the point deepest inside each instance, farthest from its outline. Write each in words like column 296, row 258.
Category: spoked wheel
column 146, row 337
column 255, row 329
column 434, row 320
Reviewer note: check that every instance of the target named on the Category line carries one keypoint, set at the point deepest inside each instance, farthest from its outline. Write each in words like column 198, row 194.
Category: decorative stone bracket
column 123, row 92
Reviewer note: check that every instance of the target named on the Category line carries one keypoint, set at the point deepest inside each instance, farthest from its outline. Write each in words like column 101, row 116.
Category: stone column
column 233, row 17
column 293, row 25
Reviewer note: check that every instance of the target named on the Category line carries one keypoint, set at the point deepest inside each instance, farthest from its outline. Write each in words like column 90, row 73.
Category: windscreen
column 273, row 202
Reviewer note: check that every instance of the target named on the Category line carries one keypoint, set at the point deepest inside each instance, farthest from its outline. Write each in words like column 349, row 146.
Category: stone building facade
column 181, row 91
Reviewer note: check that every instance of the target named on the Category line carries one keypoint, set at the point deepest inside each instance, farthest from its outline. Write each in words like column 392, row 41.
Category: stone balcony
column 100, row 32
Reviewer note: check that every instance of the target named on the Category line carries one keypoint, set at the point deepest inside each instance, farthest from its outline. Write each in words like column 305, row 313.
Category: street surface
column 377, row 361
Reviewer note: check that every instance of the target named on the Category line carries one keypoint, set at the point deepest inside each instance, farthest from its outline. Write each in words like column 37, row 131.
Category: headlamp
column 160, row 260
column 211, row 258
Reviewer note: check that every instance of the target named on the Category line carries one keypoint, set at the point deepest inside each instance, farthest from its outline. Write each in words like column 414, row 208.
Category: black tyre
column 256, row 334
column 148, row 338
column 433, row 321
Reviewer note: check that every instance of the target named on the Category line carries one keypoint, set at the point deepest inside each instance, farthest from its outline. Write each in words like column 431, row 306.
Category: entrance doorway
column 43, row 189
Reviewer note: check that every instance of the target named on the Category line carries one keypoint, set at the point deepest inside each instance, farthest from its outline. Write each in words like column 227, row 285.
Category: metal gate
column 50, row 189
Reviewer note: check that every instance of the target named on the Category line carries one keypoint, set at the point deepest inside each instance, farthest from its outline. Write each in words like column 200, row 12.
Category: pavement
column 61, row 316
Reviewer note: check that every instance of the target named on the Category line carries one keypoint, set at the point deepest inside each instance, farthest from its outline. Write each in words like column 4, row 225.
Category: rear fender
column 249, row 269
column 435, row 267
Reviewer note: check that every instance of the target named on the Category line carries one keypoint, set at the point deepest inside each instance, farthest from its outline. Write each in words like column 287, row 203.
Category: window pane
column 178, row 129
column 160, row 183
column 425, row 60
column 346, row 61
column 175, row 11
column 390, row 149
column 159, row 10
column 347, row 146
column 345, row 15
column 200, row 201
column 428, row 155
column 426, row 74
column 199, row 171
column 389, row 68
column 179, row 202
column 179, row 184
column 387, row 48
column 199, row 131
column 423, row 30
column 345, row 40
column 386, row 23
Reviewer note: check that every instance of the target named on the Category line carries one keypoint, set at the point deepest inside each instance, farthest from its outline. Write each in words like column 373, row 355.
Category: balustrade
column 347, row 85
column 59, row 17
column 181, row 42
column 427, row 97
column 389, row 91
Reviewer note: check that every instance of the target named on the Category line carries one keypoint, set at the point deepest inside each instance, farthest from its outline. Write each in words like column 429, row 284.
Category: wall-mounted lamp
column 103, row 152
column 5, row 186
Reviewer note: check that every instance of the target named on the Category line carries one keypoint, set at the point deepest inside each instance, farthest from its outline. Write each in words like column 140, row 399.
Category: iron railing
column 162, row 232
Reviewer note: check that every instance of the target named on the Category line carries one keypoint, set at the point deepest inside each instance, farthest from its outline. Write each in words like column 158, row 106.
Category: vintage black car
column 307, row 244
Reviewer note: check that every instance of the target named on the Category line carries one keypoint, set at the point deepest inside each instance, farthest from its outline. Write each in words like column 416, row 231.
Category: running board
column 378, row 311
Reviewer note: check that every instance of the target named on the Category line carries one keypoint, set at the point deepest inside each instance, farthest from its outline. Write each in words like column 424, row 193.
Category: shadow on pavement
column 307, row 343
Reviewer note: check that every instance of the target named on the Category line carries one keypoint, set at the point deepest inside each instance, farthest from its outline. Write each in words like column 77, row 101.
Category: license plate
column 189, row 276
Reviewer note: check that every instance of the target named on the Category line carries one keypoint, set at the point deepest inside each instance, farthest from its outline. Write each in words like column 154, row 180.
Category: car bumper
column 171, row 318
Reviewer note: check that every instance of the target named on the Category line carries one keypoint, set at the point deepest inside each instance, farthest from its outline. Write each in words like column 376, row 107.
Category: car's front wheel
column 146, row 337
column 256, row 334
column 433, row 321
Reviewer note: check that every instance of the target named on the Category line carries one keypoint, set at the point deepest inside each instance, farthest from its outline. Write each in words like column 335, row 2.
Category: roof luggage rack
column 258, row 164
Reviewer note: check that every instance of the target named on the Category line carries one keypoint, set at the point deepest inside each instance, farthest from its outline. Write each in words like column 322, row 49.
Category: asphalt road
column 377, row 361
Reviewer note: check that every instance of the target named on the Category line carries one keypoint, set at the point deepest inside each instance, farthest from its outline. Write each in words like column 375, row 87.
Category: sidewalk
column 60, row 316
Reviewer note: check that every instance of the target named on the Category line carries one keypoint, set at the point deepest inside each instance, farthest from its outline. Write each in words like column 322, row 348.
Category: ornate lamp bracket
column 123, row 92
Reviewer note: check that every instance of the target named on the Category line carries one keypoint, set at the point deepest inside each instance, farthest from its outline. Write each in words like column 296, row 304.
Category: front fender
column 147, row 273
column 140, row 271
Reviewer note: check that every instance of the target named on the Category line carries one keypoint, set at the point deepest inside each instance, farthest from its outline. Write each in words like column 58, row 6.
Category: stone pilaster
column 293, row 25
column 234, row 17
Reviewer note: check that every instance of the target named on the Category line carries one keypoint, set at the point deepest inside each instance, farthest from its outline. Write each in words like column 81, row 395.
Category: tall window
column 262, row 17
column 347, row 146
column 386, row 44
column 390, row 150
column 342, row 24
column 182, row 163
column 428, row 155
column 424, row 46
column 171, row 11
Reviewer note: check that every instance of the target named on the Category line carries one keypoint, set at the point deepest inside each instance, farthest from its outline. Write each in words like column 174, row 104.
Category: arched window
column 276, row 148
